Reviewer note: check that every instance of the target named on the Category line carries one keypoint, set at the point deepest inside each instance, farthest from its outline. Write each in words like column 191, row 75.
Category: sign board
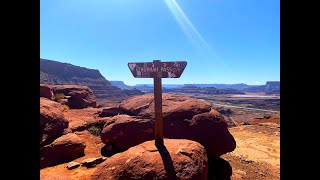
column 157, row 69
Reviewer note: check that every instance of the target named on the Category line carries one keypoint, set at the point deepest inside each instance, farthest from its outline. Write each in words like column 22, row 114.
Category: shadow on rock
column 219, row 169
column 108, row 151
column 167, row 162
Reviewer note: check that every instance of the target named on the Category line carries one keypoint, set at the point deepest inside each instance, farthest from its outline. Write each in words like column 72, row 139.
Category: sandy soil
column 257, row 155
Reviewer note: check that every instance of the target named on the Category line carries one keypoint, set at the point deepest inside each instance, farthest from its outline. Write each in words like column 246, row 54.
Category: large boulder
column 173, row 106
column 64, row 149
column 46, row 91
column 212, row 132
column 80, row 96
column 52, row 121
column 209, row 129
column 178, row 159
column 127, row 131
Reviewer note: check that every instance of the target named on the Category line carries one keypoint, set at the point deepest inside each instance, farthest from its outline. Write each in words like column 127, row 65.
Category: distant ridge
column 53, row 72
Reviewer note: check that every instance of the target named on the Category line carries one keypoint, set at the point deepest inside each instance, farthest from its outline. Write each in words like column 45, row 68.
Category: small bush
column 59, row 96
column 65, row 107
column 95, row 130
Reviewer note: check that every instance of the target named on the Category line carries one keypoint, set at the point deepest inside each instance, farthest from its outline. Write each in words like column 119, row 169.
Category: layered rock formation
column 53, row 72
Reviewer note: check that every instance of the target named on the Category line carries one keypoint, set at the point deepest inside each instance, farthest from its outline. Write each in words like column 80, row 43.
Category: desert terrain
column 256, row 133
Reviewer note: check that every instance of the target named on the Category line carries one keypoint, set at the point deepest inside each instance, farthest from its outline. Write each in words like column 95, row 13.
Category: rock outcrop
column 52, row 121
column 209, row 129
column 178, row 159
column 79, row 97
column 174, row 106
column 111, row 111
column 46, row 91
column 64, row 149
column 53, row 72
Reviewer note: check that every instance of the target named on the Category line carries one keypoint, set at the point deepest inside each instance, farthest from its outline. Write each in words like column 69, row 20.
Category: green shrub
column 59, row 96
column 95, row 130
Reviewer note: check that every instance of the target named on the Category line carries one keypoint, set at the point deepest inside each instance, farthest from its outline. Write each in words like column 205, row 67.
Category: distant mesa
column 271, row 87
column 53, row 72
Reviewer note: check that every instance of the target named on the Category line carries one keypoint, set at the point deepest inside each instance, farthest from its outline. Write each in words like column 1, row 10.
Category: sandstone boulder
column 127, row 131
column 52, row 121
column 209, row 129
column 178, row 159
column 80, row 96
column 174, row 106
column 78, row 125
column 46, row 91
column 64, row 149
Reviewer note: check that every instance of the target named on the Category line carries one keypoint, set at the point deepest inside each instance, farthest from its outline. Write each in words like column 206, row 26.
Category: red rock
column 92, row 162
column 111, row 111
column 212, row 132
column 179, row 159
column 64, row 149
column 46, row 91
column 72, row 165
column 78, row 125
column 209, row 129
column 52, row 121
column 80, row 96
column 174, row 106
column 127, row 131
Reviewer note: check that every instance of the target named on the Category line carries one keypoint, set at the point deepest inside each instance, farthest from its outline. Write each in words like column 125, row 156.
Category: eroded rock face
column 46, row 91
column 78, row 125
column 179, row 159
column 127, row 131
column 111, row 111
column 52, row 121
column 64, row 149
column 209, row 129
column 174, row 106
column 80, row 96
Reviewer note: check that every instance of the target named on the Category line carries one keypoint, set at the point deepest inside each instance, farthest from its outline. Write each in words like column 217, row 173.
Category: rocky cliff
column 53, row 72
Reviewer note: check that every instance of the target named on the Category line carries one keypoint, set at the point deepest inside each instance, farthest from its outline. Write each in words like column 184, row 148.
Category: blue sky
column 223, row 41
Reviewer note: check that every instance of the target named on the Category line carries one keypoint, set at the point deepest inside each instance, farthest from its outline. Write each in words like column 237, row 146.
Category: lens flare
column 191, row 32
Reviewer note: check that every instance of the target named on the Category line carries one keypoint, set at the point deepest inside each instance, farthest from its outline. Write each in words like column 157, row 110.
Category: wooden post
column 158, row 109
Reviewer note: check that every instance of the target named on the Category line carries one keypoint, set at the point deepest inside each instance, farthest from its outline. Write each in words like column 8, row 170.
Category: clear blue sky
column 223, row 41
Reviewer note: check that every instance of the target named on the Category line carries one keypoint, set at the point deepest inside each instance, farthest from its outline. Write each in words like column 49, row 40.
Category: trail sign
column 157, row 70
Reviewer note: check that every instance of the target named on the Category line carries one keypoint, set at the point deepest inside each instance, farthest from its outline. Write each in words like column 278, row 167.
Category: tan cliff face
column 53, row 72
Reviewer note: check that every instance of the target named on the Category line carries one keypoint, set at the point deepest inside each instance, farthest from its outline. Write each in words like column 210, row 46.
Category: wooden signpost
column 157, row 70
